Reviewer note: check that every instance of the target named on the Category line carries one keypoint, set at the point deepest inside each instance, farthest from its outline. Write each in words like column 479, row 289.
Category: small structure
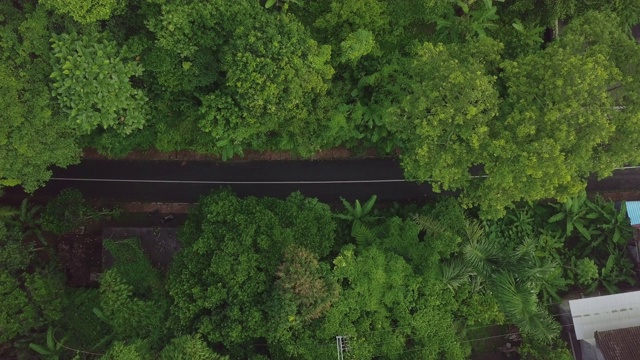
column 158, row 244
column 633, row 211
column 607, row 319
column 620, row 344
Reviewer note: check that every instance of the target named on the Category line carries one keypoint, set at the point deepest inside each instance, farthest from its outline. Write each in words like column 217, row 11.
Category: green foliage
column 475, row 20
column 92, row 84
column 189, row 347
column 30, row 139
column 445, row 104
column 27, row 221
column 224, row 276
column 517, row 271
column 31, row 293
column 357, row 214
column 133, row 265
column 383, row 303
column 131, row 316
column 29, row 301
column 68, row 211
column 519, row 301
column 32, row 136
column 132, row 299
column 137, row 350
column 274, row 75
column 586, row 271
column 86, row 11
column 52, row 349
column 531, row 349
column 79, row 325
column 554, row 138
column 356, row 45
column 339, row 20
column 599, row 233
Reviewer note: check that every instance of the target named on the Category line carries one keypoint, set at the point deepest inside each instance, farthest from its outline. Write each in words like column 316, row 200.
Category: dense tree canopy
column 280, row 279
column 460, row 89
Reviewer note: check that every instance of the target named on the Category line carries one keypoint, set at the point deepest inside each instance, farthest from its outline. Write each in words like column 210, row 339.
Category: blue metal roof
column 633, row 211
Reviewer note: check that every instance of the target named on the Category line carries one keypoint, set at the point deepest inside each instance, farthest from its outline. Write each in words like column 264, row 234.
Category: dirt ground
column 81, row 257
column 328, row 154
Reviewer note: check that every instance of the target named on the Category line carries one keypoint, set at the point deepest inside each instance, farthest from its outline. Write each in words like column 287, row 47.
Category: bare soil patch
column 328, row 154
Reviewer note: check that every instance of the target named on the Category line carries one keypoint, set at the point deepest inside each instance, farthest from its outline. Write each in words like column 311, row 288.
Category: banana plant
column 357, row 214
column 614, row 223
column 52, row 348
column 27, row 218
column 577, row 214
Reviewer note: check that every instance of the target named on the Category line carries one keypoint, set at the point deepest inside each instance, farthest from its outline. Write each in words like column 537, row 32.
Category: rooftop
column 619, row 344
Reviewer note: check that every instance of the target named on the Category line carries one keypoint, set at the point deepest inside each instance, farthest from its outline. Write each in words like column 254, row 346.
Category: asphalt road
column 175, row 181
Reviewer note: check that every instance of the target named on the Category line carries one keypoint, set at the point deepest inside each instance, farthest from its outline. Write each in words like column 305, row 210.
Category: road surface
column 175, row 181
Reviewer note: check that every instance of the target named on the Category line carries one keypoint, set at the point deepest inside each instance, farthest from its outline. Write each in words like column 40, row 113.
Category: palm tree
column 515, row 277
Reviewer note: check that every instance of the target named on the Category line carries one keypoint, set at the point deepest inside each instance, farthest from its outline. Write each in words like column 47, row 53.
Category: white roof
column 604, row 313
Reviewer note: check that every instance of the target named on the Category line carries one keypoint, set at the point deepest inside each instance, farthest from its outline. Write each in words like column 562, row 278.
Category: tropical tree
column 232, row 251
column 92, row 84
column 32, row 136
column 383, row 303
column 444, row 102
column 32, row 294
column 515, row 275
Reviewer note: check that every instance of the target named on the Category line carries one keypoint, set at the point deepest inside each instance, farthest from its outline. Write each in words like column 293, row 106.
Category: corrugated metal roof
column 620, row 344
column 633, row 211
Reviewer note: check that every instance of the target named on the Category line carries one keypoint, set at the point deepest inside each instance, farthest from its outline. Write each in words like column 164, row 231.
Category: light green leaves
column 356, row 45
column 445, row 102
column 86, row 11
column 92, row 84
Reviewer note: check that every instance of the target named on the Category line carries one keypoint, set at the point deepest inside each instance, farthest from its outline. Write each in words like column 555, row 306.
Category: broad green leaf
column 582, row 230
column 557, row 217
column 40, row 349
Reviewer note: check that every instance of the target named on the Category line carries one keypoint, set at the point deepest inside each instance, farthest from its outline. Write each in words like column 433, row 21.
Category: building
column 608, row 327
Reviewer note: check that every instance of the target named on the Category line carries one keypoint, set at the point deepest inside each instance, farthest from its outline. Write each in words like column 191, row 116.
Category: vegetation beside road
column 450, row 85
column 263, row 278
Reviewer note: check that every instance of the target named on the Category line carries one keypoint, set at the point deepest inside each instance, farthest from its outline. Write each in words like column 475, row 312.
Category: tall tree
column 223, row 280
column 33, row 136
column 443, row 102
column 92, row 83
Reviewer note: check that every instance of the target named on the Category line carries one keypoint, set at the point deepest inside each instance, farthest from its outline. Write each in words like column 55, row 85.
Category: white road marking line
column 234, row 182
column 228, row 182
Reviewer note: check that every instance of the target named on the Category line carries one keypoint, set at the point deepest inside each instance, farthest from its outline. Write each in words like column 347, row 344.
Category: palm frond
column 428, row 224
column 527, row 249
column 481, row 255
column 519, row 302
column 473, row 230
column 7, row 212
column 362, row 233
column 455, row 273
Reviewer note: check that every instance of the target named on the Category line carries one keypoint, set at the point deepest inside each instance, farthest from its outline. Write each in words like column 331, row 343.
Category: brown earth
column 328, row 154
